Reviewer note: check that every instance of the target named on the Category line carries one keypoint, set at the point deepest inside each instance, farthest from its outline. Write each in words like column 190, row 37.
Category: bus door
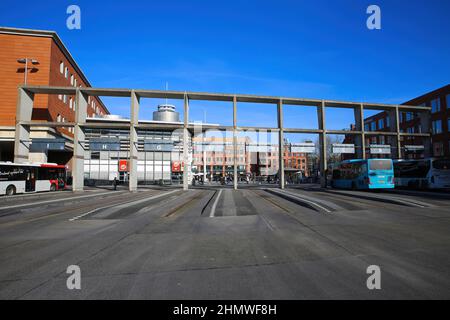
column 30, row 182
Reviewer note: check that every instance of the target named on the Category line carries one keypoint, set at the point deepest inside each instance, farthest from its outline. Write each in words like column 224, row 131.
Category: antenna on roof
column 167, row 88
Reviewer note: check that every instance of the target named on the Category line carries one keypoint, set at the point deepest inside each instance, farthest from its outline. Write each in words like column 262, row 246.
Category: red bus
column 27, row 177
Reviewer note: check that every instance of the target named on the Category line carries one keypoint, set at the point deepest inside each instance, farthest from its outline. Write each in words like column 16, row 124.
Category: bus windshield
column 378, row 164
column 442, row 164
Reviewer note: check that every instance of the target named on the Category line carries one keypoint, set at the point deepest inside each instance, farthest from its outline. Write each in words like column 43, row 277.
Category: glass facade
column 160, row 155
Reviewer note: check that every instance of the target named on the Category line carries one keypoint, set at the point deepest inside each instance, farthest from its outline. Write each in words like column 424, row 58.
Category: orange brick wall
column 13, row 47
column 49, row 55
column 57, row 78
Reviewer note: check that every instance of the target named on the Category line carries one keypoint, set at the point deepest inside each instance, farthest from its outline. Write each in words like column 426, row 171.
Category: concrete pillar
column 360, row 139
column 398, row 137
column 280, row 143
column 204, row 155
column 186, row 166
column 81, row 102
column 38, row 157
column 134, row 120
column 235, row 179
column 323, row 142
column 22, row 137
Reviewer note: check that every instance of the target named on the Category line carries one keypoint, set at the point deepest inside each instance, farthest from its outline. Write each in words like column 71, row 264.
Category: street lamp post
column 25, row 61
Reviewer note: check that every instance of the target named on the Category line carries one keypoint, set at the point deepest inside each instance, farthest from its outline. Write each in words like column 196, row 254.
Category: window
column 448, row 124
column 61, row 67
column 75, row 82
column 70, row 103
column 380, row 165
column 435, row 105
column 438, row 149
column 381, row 123
column 58, row 118
column 437, row 126
column 64, row 98
column 419, row 128
column 373, row 126
column 366, row 127
column 71, row 79
column 66, row 72
column 401, row 117
column 447, row 99
column 387, row 122
column 409, row 116
column 60, row 96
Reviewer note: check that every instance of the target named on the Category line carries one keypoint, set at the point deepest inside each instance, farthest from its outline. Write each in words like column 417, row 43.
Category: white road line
column 407, row 202
column 267, row 222
column 305, row 200
column 122, row 205
column 54, row 200
column 213, row 209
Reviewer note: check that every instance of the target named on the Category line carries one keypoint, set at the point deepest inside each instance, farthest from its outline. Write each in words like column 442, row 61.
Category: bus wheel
column 53, row 187
column 10, row 191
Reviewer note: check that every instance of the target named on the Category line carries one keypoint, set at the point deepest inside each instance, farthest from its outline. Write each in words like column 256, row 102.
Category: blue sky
column 313, row 49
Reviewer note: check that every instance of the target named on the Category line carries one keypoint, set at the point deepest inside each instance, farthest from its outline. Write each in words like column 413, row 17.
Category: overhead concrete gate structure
column 24, row 123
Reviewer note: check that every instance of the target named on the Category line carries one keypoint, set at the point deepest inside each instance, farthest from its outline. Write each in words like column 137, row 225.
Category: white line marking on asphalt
column 54, row 200
column 267, row 222
column 305, row 200
column 213, row 209
column 122, row 205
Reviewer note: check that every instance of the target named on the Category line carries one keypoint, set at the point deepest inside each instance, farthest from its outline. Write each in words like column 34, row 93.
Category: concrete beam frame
column 323, row 142
column 81, row 102
column 235, row 155
column 186, row 166
column 25, row 106
column 134, row 121
column 280, row 143
column 23, row 116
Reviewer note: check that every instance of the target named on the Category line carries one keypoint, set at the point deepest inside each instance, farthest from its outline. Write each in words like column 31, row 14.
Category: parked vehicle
column 430, row 173
column 363, row 174
column 23, row 178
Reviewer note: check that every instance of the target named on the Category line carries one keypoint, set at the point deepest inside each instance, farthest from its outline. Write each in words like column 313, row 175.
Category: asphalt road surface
column 217, row 243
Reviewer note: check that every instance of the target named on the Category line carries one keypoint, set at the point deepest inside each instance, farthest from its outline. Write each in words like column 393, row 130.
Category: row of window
column 436, row 126
column 436, row 104
column 65, row 71
column 60, row 118
column 96, row 109
column 73, row 81
column 377, row 124
column 239, row 159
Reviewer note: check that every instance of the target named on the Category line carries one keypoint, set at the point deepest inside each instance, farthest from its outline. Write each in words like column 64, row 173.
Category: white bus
column 428, row 173
column 22, row 178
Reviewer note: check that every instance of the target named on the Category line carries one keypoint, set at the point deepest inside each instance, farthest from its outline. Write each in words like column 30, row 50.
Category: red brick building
column 218, row 156
column 439, row 101
column 46, row 61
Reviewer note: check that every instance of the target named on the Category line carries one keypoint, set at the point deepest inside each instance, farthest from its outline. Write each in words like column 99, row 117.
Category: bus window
column 375, row 164
column 442, row 164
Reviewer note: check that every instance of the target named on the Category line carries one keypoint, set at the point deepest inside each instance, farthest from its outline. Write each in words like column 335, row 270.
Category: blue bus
column 364, row 174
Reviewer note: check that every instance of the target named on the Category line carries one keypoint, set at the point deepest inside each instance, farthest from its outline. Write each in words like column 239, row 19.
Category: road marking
column 213, row 209
column 266, row 222
column 122, row 205
column 54, row 200
column 405, row 201
column 303, row 199
column 374, row 197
